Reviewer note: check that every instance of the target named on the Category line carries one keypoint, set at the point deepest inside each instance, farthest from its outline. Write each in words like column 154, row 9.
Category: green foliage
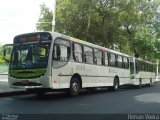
column 132, row 25
column 45, row 19
column 2, row 61
column 144, row 40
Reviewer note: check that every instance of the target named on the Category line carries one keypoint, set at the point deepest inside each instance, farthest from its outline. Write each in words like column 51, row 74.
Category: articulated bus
column 53, row 61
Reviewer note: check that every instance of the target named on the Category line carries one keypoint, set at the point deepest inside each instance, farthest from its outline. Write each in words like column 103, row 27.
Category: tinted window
column 77, row 53
column 119, row 60
column 98, row 57
column 88, row 55
column 112, row 59
column 138, row 66
column 61, row 52
column 132, row 67
column 126, row 62
column 145, row 67
column 106, row 58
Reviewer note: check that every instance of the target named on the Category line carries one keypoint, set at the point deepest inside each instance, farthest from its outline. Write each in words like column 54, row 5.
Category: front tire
column 74, row 87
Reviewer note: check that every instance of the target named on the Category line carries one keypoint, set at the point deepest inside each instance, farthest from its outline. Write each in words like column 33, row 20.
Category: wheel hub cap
column 75, row 87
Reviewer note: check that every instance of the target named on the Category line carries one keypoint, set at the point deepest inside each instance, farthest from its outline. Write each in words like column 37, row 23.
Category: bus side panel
column 101, row 78
column 111, row 73
column 61, row 76
column 64, row 74
column 89, row 75
column 125, row 76
column 145, row 77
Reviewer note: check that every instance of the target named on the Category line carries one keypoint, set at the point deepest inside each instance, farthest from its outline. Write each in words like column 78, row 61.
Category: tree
column 144, row 40
column 1, row 54
column 131, row 25
column 45, row 19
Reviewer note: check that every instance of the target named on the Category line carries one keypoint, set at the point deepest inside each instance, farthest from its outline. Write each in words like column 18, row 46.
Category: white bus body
column 93, row 66
column 142, row 72
column 56, row 61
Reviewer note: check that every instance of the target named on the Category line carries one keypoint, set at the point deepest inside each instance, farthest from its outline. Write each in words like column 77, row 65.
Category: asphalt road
column 145, row 100
column 123, row 101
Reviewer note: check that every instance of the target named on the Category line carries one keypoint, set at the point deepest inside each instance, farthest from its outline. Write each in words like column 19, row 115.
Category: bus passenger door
column 60, row 56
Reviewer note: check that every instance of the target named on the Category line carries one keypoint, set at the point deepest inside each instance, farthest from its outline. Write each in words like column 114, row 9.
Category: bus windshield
column 29, row 60
column 30, row 56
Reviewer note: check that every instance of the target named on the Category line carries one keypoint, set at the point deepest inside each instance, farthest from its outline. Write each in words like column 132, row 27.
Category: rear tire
column 74, row 87
column 150, row 84
column 115, row 85
column 140, row 84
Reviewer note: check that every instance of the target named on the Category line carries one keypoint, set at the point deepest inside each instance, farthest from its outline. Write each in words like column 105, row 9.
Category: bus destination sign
column 34, row 37
column 29, row 39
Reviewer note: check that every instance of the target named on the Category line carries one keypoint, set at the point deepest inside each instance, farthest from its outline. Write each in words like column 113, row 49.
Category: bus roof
column 56, row 34
column 142, row 60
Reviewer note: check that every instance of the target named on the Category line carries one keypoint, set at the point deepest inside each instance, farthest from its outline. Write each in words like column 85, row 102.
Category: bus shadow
column 54, row 96
column 64, row 95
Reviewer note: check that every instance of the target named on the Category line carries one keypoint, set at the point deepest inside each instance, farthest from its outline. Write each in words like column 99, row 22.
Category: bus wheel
column 74, row 87
column 140, row 83
column 115, row 85
column 150, row 83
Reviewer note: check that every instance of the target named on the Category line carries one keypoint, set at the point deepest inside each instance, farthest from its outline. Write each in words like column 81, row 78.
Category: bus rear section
column 141, row 72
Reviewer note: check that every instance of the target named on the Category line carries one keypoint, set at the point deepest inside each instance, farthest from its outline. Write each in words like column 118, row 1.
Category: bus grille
column 26, row 84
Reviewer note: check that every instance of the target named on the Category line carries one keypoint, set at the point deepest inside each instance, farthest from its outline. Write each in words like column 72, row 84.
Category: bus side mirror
column 7, row 49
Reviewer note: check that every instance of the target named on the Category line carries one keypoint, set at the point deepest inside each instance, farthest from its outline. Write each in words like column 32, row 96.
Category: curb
column 156, row 81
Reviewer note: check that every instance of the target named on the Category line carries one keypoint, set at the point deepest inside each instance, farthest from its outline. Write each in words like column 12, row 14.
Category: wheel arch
column 116, row 77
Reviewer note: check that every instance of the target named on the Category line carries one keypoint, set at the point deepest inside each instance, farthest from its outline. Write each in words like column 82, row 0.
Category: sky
column 18, row 17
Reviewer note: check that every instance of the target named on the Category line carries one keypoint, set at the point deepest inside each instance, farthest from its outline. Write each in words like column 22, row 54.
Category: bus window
column 146, row 67
column 77, row 52
column 119, row 60
column 98, row 56
column 88, row 55
column 126, row 62
column 142, row 66
column 112, row 59
column 138, row 66
column 149, row 68
column 106, row 59
column 132, row 67
column 61, row 52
